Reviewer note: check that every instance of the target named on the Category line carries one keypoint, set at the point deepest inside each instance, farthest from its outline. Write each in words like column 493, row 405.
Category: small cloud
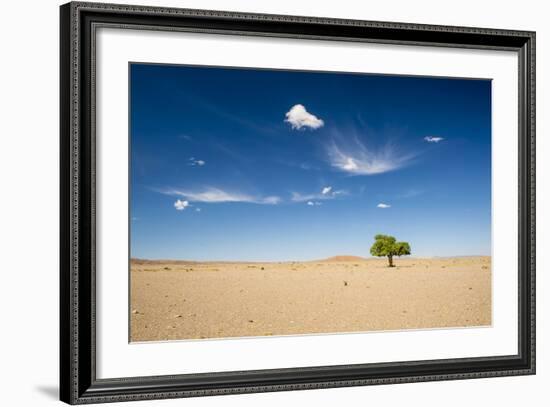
column 195, row 162
column 326, row 190
column 186, row 137
column 197, row 209
column 299, row 117
column 383, row 206
column 313, row 203
column 181, row 205
column 432, row 139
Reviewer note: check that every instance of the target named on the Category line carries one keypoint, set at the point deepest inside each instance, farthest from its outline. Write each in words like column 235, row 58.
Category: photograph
column 269, row 202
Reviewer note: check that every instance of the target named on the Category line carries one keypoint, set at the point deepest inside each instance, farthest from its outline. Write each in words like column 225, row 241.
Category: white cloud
column 299, row 117
column 432, row 139
column 383, row 206
column 216, row 195
column 197, row 209
column 193, row 162
column 326, row 190
column 357, row 159
column 313, row 203
column 181, row 205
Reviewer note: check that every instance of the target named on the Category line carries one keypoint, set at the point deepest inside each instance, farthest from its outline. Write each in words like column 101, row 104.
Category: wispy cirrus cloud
column 356, row 158
column 298, row 117
column 433, row 139
column 326, row 193
column 217, row 195
column 298, row 197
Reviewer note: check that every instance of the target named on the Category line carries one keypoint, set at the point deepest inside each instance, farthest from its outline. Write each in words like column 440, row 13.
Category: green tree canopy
column 385, row 245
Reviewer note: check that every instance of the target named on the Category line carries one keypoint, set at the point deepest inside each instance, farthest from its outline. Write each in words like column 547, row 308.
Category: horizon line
column 353, row 258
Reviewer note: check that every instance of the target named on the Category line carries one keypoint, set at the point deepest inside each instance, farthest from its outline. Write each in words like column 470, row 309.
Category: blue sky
column 266, row 165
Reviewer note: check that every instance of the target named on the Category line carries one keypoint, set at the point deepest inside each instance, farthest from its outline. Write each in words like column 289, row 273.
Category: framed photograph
column 254, row 203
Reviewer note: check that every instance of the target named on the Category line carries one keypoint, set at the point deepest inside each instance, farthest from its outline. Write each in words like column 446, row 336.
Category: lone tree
column 387, row 246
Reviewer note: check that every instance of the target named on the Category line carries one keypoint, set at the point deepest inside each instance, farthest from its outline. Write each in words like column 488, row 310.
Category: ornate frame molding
column 79, row 384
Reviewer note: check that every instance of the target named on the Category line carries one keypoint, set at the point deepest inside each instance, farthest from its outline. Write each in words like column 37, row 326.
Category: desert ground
column 172, row 300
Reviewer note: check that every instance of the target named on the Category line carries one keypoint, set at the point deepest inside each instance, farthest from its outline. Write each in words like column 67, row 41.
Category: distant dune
column 343, row 258
column 333, row 259
column 152, row 262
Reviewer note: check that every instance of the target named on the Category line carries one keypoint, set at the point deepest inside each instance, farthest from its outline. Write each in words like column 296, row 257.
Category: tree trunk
column 390, row 261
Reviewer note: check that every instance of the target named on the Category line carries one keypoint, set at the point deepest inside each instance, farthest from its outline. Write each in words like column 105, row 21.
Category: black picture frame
column 78, row 382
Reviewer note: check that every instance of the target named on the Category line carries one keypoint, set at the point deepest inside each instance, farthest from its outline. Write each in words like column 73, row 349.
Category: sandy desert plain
column 171, row 300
